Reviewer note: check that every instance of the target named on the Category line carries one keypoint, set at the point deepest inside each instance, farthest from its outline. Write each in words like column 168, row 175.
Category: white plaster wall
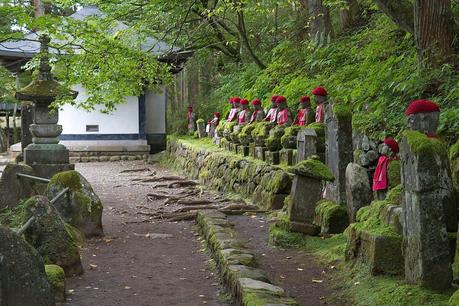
column 124, row 120
column 155, row 111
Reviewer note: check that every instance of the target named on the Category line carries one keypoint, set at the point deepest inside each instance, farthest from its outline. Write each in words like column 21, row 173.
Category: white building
column 137, row 126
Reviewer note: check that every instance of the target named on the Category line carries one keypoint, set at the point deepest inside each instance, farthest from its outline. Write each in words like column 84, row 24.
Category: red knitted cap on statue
column 274, row 98
column 305, row 99
column 190, row 107
column 392, row 144
column 217, row 114
column 319, row 91
column 256, row 102
column 231, row 100
column 422, row 106
column 244, row 102
column 236, row 100
column 281, row 99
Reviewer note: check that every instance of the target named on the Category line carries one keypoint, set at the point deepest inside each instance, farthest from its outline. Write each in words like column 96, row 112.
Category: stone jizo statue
column 232, row 116
column 244, row 114
column 258, row 113
column 191, row 119
column 389, row 152
column 272, row 113
column 305, row 115
column 423, row 116
column 320, row 96
column 283, row 116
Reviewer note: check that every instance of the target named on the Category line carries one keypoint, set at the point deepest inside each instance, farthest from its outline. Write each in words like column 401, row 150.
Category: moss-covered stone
column 56, row 278
column 261, row 132
column 82, row 208
column 394, row 173
column 454, row 159
column 454, row 300
column 50, row 237
column 331, row 217
column 313, row 168
column 13, row 189
column 200, row 121
column 289, row 138
column 428, row 147
column 273, row 142
column 228, row 128
column 245, row 136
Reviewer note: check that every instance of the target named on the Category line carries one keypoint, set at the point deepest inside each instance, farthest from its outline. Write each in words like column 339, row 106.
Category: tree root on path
column 136, row 170
column 193, row 202
column 181, row 184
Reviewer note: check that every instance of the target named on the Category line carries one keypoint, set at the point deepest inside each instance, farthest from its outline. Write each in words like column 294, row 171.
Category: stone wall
column 265, row 184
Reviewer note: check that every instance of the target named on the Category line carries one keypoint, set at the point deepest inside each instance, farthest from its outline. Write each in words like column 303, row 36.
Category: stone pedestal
column 429, row 211
column 358, row 189
column 252, row 150
column 287, row 157
column 201, row 129
column 272, row 157
column 339, row 151
column 306, row 144
column 260, row 153
column 244, row 150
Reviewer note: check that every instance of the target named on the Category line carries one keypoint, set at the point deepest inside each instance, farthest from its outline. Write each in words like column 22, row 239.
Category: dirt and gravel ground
column 145, row 261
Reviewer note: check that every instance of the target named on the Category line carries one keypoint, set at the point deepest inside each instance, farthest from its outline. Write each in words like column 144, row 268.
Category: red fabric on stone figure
column 244, row 102
column 282, row 116
column 380, row 180
column 320, row 113
column 422, row 106
column 281, row 99
column 301, row 117
column 392, row 144
column 256, row 102
column 319, row 91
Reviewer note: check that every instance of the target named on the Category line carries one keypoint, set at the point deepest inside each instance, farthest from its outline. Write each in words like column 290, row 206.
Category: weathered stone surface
column 304, row 228
column 50, row 236
column 429, row 211
column 13, row 189
column 381, row 253
column 22, row 273
column 253, row 284
column 238, row 257
column 46, row 154
column 56, row 278
column 305, row 194
column 80, row 207
column 358, row 189
column 47, row 170
column 272, row 157
column 260, row 152
column 287, row 157
column 241, row 271
column 331, row 217
column 306, row 144
column 201, row 129
column 3, row 141
column 339, row 151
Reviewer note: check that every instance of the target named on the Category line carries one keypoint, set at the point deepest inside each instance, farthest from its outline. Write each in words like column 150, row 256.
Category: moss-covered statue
column 387, row 173
column 320, row 97
column 191, row 119
column 423, row 116
column 213, row 124
column 305, row 114
column 258, row 113
column 283, row 114
column 244, row 114
column 272, row 113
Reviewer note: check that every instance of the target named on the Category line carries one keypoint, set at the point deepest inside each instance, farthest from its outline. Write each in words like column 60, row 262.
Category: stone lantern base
column 47, row 159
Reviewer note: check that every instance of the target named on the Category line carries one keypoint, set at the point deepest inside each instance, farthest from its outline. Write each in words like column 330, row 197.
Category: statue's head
column 305, row 102
column 190, row 109
column 423, row 116
column 281, row 102
column 320, row 94
column 236, row 101
column 231, row 101
column 273, row 101
column 390, row 147
column 217, row 115
column 256, row 103
column 244, row 103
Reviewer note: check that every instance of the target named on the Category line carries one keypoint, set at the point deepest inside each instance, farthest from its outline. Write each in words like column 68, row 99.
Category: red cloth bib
column 380, row 181
column 320, row 113
column 282, row 116
column 301, row 117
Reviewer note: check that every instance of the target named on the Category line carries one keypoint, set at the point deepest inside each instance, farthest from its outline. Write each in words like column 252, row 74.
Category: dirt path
column 132, row 264
column 293, row 270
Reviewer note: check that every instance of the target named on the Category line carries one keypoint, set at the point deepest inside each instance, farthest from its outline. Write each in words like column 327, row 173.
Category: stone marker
column 22, row 273
column 339, row 151
column 429, row 208
column 358, row 189
column 306, row 144
column 13, row 189
column 201, row 126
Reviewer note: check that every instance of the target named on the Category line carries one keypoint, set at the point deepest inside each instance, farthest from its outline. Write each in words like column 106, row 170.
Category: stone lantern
column 45, row 154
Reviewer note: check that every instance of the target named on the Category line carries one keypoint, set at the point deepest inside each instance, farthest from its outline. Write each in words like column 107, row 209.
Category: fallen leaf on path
column 127, row 287
column 357, row 283
column 92, row 266
column 299, row 269
column 319, row 281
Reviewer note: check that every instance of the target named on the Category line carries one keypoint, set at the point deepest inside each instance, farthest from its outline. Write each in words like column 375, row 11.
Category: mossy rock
column 313, row 168
column 454, row 300
column 82, row 208
column 228, row 129
column 261, row 132
column 50, row 237
column 394, row 173
column 427, row 147
column 273, row 142
column 331, row 217
column 245, row 136
column 13, row 189
column 22, row 273
column 454, row 160
column 56, row 278
column 289, row 139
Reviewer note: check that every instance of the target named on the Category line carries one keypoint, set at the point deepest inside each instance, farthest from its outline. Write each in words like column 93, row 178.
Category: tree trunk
column 319, row 19
column 400, row 11
column 302, row 16
column 348, row 15
column 434, row 31
column 245, row 40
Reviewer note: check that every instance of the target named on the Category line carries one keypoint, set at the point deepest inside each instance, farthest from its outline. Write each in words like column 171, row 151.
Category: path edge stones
column 248, row 285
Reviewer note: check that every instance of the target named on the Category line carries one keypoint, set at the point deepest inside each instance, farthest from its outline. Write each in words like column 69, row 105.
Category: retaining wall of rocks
column 265, row 184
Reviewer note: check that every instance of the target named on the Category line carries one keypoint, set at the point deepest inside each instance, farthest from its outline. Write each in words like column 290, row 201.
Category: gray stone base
column 287, row 157
column 243, row 150
column 273, row 157
column 46, row 154
column 304, row 228
column 49, row 170
column 252, row 150
column 260, row 153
